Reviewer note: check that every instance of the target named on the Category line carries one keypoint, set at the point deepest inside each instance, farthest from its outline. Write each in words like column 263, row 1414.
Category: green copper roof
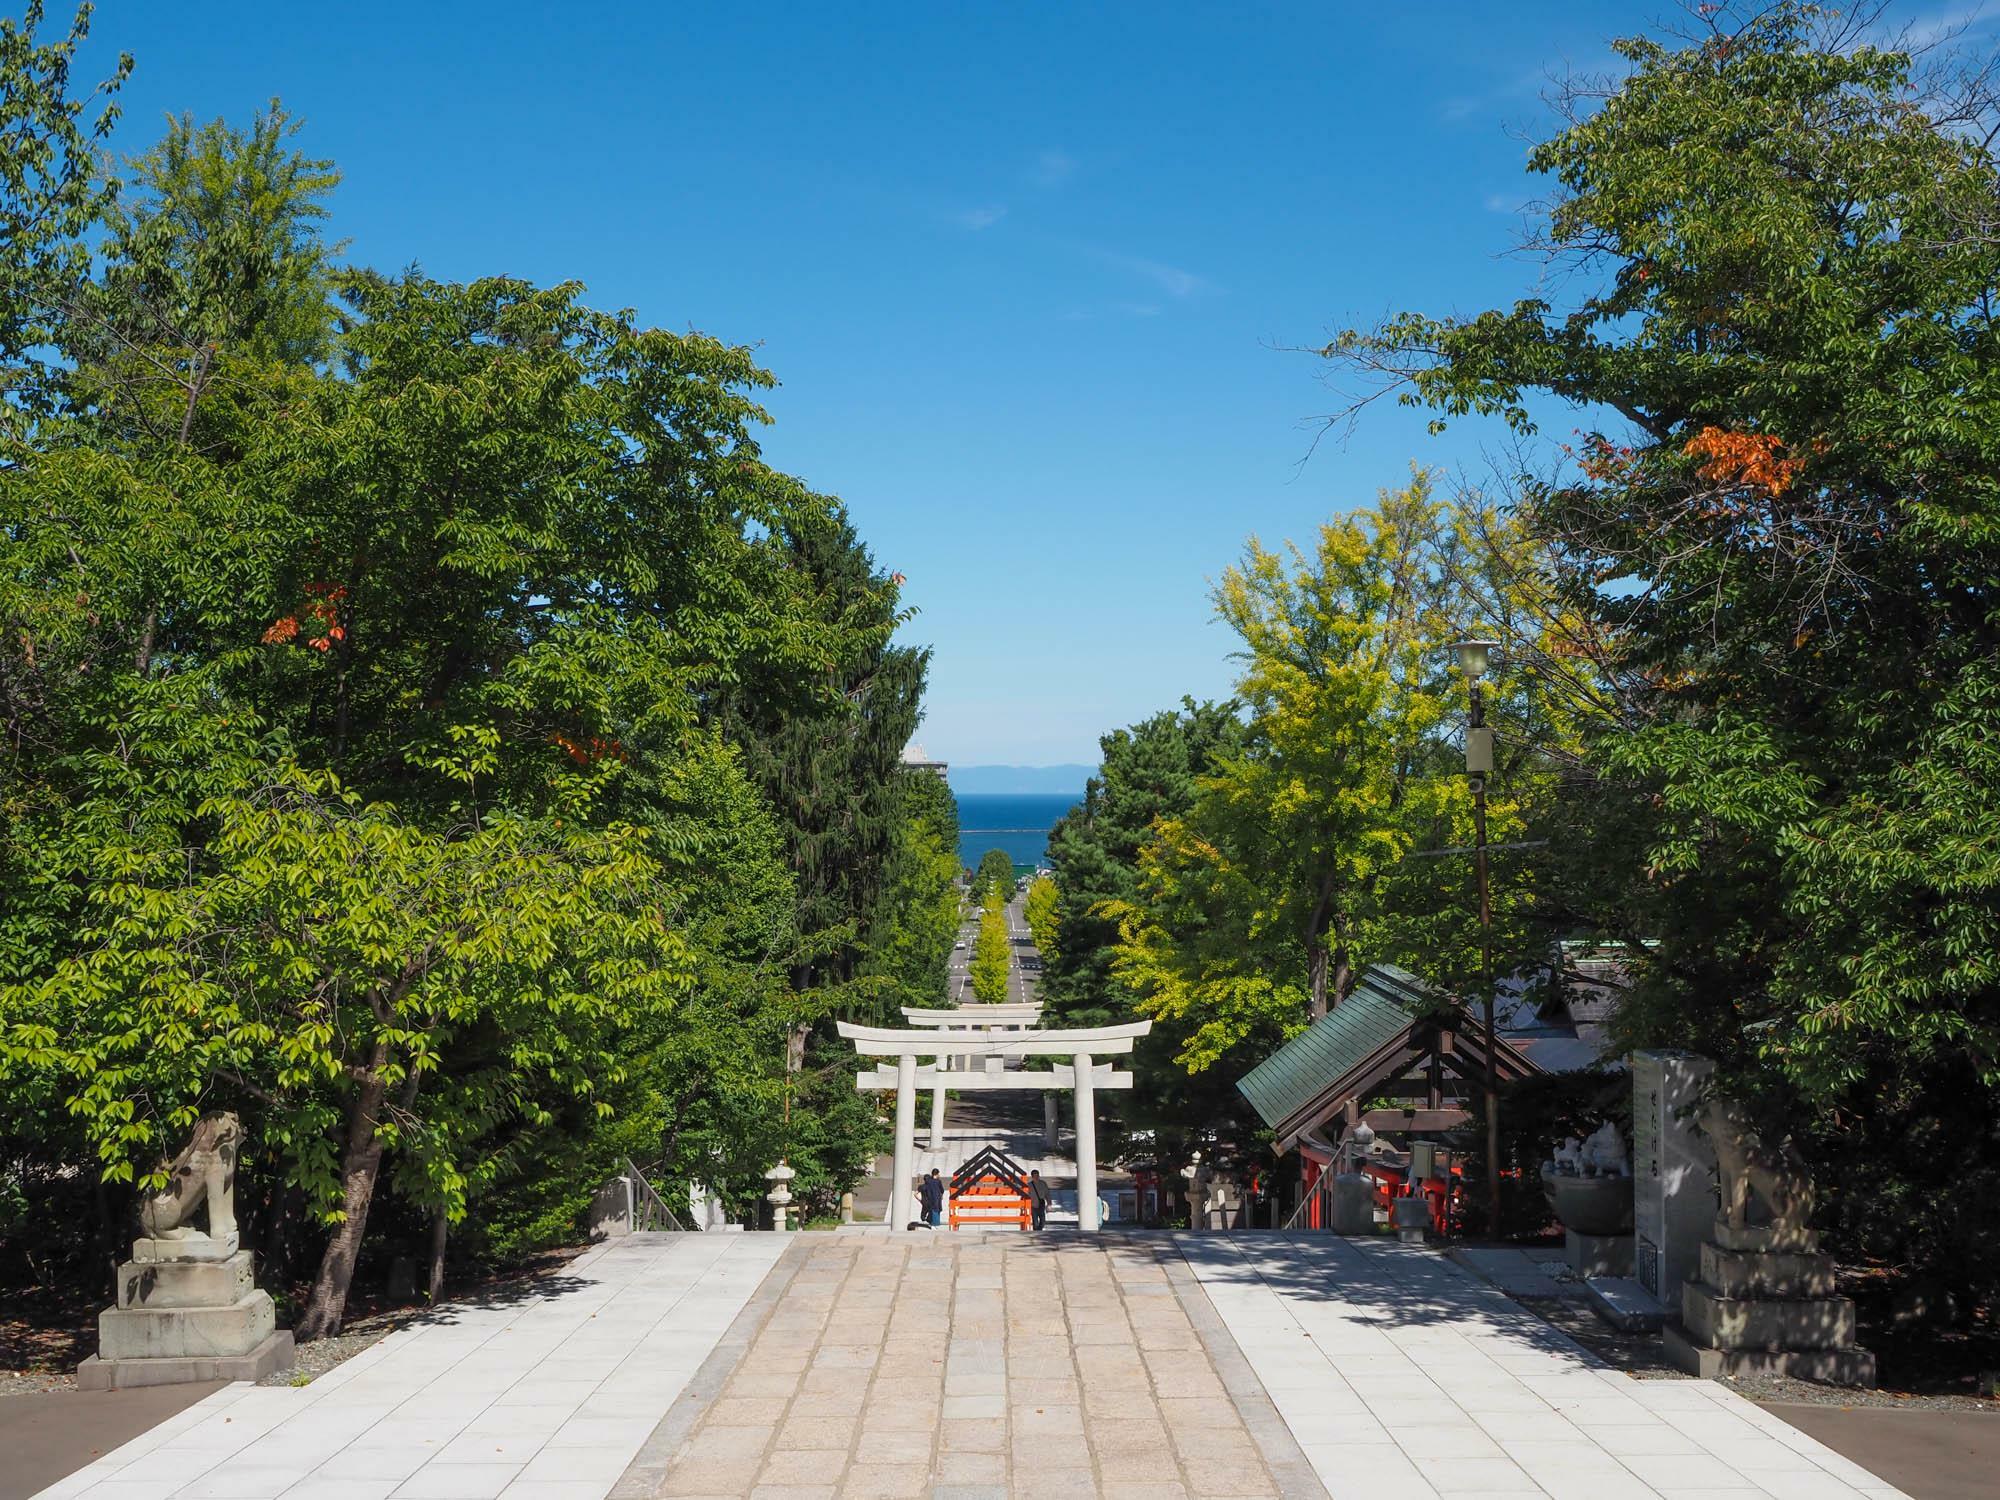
column 1385, row 1001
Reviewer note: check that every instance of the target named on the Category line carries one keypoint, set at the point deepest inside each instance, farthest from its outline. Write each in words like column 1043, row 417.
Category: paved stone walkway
column 543, row 1398
column 1403, row 1375
column 969, row 1366
column 977, row 1366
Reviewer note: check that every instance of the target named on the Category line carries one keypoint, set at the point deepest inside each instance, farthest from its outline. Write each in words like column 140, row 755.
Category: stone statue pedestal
column 1764, row 1304
column 183, row 1320
column 188, row 1305
column 193, row 1247
column 1598, row 1254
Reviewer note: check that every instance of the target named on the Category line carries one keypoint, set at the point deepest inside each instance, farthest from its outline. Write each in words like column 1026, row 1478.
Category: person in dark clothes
column 930, row 1193
column 1038, row 1198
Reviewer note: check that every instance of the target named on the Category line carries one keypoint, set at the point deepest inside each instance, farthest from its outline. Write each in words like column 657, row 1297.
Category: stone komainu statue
column 204, row 1173
column 1750, row 1170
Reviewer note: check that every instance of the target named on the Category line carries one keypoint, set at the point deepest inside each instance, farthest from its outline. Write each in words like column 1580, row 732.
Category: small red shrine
column 990, row 1189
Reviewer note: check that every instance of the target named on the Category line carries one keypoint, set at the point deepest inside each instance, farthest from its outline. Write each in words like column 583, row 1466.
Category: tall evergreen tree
column 910, row 932
column 829, row 759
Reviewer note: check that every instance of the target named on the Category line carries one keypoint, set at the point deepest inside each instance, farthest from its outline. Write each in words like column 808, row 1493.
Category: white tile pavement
column 546, row 1397
column 1404, row 1377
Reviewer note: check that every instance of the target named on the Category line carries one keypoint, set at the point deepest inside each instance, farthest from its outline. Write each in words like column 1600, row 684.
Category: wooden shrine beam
column 1421, row 1119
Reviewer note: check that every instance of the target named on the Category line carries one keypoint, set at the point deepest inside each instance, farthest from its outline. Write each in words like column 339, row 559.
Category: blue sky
column 1028, row 273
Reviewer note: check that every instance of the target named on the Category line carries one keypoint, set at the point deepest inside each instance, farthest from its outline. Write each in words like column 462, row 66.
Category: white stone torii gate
column 1002, row 1016
column 1083, row 1048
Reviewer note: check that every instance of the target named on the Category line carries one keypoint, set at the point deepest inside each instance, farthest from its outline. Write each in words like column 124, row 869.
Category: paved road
column 975, row 1366
column 1024, row 966
column 46, row 1435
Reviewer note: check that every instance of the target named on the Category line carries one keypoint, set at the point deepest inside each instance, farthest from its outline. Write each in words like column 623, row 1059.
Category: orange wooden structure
column 990, row 1189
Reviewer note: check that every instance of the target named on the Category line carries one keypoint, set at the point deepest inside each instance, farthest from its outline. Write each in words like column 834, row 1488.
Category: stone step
column 1769, row 1323
column 1851, row 1366
column 1768, row 1273
column 1624, row 1304
column 99, row 1374
column 181, row 1332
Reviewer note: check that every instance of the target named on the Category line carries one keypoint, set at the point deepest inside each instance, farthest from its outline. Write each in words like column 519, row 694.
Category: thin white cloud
column 1520, row 86
column 1172, row 280
column 982, row 218
column 1504, row 94
column 1054, row 167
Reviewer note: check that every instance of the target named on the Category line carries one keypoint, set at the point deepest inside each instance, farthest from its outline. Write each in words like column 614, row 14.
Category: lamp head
column 1473, row 657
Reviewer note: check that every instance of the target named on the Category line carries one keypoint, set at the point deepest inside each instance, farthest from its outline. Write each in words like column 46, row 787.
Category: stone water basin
column 1590, row 1205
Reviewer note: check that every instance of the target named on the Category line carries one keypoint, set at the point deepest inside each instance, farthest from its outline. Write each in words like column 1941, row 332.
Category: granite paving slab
column 544, row 1395
column 959, row 1366
column 1403, row 1374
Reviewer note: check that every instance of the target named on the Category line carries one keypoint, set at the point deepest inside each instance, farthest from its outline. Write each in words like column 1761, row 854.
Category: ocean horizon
column 1017, row 823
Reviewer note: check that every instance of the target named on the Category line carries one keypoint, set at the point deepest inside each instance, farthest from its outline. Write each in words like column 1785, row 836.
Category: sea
column 1018, row 823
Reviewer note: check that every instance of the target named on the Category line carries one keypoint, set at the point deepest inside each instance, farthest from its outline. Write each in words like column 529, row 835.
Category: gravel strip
column 313, row 1360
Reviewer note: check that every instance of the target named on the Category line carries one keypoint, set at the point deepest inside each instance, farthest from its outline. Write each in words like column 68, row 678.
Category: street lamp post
column 1473, row 657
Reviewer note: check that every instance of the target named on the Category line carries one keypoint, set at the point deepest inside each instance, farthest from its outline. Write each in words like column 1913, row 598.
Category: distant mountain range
column 993, row 780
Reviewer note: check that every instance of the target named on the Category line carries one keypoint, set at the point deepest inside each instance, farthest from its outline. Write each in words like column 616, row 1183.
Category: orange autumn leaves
column 1727, row 460
column 587, row 750
column 1744, row 460
column 320, row 626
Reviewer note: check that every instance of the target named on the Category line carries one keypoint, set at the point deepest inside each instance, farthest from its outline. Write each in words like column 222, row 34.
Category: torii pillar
column 1080, row 1046
column 1086, row 1144
column 937, row 1105
column 904, row 1161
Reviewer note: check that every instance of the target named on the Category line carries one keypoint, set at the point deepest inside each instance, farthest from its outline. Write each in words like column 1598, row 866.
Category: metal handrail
column 648, row 1207
column 1322, row 1187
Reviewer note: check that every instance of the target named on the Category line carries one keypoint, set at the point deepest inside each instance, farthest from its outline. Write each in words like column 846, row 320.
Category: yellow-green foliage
column 990, row 954
column 1258, row 907
column 1040, row 906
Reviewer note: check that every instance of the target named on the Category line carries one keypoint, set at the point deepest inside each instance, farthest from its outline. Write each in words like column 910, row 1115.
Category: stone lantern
column 780, row 1196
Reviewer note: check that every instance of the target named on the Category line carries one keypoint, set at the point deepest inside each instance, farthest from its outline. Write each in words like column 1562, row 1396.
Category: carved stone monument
column 188, row 1304
column 1764, row 1303
column 1673, row 1198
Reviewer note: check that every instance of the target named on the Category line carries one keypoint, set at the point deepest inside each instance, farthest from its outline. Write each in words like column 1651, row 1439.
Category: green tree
column 830, row 761
column 51, row 197
column 909, row 939
column 453, row 619
column 1148, row 772
column 214, row 244
column 1787, row 525
column 371, row 984
column 1251, row 906
column 993, row 881
column 992, row 955
column 1040, row 907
